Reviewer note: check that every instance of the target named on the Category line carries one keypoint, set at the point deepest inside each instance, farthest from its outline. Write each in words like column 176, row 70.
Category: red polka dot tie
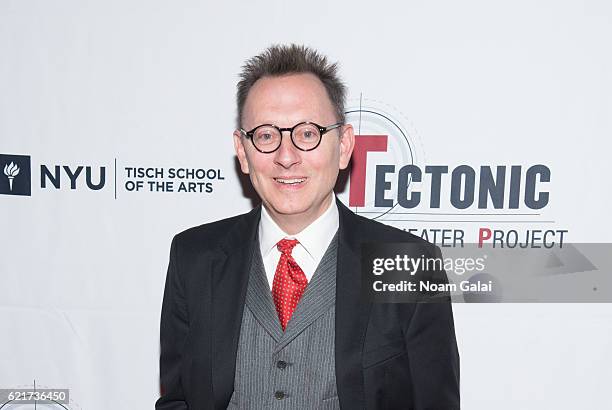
column 289, row 282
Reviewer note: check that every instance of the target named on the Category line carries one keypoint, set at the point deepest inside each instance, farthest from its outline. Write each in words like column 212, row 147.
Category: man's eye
column 308, row 134
column 264, row 137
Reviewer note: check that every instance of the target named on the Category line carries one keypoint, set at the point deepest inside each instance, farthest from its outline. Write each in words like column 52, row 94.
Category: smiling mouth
column 290, row 181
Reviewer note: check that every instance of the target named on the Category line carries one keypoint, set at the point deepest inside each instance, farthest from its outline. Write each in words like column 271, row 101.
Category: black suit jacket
column 388, row 356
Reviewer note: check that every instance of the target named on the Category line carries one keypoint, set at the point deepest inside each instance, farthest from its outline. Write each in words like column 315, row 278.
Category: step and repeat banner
column 479, row 124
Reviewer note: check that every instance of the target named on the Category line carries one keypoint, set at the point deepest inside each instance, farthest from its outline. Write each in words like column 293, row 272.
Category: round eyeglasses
column 306, row 136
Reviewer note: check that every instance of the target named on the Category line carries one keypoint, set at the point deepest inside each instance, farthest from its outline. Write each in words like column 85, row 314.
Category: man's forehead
column 288, row 84
column 293, row 98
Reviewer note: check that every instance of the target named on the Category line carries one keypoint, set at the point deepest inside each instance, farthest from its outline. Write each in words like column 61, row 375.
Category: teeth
column 290, row 181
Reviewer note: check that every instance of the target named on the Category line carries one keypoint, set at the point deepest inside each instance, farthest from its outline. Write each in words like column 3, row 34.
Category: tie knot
column 285, row 246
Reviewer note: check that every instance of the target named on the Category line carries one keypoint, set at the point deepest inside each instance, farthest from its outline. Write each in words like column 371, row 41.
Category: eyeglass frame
column 322, row 131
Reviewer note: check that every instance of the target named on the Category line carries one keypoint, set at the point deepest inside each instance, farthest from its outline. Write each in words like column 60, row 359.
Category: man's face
column 285, row 101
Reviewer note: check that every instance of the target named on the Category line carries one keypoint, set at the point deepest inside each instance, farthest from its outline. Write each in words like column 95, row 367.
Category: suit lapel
column 352, row 313
column 230, row 273
column 259, row 298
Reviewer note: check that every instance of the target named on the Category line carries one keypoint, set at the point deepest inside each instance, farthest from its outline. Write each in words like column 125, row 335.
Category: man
column 264, row 310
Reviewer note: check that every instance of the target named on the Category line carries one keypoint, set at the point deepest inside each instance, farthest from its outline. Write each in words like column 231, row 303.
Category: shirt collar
column 314, row 238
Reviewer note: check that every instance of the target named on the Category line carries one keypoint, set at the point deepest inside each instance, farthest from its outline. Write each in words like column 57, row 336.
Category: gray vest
column 294, row 369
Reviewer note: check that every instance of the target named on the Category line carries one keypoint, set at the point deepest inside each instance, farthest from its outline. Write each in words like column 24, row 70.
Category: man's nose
column 287, row 154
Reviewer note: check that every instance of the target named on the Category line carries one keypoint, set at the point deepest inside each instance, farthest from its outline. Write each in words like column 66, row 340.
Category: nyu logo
column 54, row 178
column 15, row 177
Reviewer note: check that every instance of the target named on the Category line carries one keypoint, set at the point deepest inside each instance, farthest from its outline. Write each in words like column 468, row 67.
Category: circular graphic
column 396, row 147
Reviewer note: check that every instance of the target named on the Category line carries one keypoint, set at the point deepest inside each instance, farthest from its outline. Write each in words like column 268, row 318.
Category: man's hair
column 279, row 60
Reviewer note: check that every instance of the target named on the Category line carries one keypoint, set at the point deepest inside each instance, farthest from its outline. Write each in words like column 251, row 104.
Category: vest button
column 279, row 395
column 281, row 364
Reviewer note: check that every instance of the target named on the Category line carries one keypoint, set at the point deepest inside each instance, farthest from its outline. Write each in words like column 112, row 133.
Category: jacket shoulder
column 208, row 236
column 373, row 231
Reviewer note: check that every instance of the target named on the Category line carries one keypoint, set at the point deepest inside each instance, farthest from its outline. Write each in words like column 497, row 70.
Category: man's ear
column 240, row 152
column 347, row 144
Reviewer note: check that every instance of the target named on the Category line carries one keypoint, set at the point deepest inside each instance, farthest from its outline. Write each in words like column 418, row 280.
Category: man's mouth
column 290, row 181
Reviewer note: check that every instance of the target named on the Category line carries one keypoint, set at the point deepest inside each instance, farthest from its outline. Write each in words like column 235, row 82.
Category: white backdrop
column 115, row 84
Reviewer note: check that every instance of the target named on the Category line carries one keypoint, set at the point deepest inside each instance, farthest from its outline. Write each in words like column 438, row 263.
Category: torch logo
column 16, row 176
column 11, row 171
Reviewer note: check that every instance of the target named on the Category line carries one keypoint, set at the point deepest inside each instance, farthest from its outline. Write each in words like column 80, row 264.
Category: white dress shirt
column 313, row 241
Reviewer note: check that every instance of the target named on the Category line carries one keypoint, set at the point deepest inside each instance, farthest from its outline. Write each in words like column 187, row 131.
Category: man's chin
column 294, row 206
column 290, row 211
